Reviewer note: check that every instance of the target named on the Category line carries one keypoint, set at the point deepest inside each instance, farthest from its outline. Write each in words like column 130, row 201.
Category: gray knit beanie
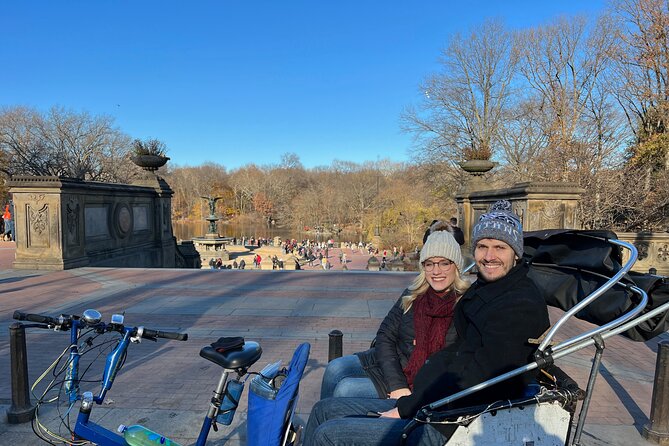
column 442, row 244
column 500, row 223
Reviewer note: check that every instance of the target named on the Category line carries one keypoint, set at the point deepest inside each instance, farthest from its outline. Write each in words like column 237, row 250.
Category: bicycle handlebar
column 150, row 334
column 64, row 323
column 19, row 316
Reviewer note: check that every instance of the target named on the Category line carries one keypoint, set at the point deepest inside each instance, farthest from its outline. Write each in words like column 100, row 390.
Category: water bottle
column 137, row 435
column 230, row 402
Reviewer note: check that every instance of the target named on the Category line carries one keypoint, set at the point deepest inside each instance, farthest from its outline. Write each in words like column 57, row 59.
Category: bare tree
column 463, row 105
column 245, row 183
column 64, row 143
column 522, row 141
column 563, row 64
column 642, row 64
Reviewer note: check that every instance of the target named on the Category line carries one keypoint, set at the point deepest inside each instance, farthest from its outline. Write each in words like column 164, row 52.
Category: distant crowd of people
column 317, row 253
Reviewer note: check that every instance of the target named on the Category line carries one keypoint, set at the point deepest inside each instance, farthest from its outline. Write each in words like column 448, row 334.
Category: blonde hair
column 420, row 285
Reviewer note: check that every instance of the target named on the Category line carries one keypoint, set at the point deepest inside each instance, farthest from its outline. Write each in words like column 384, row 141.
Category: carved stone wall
column 553, row 206
column 539, row 205
column 653, row 249
column 65, row 223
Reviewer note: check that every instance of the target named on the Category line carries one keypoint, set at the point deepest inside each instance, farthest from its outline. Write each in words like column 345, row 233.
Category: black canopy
column 568, row 265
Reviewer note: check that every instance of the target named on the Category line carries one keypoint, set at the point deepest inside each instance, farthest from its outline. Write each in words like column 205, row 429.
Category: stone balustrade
column 66, row 223
column 653, row 248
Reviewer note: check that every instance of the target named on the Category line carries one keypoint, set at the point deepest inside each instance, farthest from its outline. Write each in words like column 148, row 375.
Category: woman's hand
column 392, row 413
column 395, row 394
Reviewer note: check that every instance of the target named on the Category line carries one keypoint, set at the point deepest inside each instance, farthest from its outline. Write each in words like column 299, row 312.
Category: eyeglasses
column 443, row 265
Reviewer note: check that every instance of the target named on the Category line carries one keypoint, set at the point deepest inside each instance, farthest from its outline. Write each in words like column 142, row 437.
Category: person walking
column 8, row 233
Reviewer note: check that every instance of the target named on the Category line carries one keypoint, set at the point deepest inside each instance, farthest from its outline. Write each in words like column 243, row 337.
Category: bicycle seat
column 240, row 358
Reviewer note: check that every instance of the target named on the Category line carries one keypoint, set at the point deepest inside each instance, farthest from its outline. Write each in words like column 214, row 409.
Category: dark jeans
column 342, row 422
column 345, row 377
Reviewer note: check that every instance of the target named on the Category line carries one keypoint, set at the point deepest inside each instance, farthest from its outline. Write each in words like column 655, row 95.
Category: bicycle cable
column 38, row 427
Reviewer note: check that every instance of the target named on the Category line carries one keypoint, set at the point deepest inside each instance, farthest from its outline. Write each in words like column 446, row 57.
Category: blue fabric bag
column 268, row 419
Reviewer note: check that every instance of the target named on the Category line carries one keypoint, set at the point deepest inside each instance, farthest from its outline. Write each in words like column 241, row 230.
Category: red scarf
column 432, row 316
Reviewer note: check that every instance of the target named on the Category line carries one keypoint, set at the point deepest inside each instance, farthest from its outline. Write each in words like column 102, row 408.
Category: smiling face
column 494, row 258
column 439, row 278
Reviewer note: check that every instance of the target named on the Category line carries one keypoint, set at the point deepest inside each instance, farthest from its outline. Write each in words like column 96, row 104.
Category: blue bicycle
column 67, row 379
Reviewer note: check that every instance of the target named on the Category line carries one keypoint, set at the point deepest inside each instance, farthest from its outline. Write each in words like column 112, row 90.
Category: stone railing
column 66, row 223
column 538, row 205
column 653, row 248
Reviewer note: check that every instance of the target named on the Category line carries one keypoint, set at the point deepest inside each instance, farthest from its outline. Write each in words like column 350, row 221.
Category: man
column 493, row 322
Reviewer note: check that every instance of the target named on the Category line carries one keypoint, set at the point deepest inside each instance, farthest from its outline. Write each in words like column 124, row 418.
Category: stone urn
column 150, row 163
column 477, row 167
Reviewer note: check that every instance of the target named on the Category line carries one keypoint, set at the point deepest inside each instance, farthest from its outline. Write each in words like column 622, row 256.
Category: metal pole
column 657, row 431
column 21, row 411
column 335, row 345
column 599, row 345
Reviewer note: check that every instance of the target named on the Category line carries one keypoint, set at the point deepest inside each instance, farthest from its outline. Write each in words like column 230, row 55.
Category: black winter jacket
column 493, row 323
column 394, row 344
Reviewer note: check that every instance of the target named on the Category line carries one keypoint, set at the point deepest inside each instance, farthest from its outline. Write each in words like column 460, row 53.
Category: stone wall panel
column 66, row 223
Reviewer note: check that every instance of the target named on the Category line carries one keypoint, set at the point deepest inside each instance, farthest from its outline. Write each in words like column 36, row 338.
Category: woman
column 415, row 327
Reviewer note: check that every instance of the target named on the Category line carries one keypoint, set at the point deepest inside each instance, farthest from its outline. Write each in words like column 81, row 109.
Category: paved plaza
column 166, row 386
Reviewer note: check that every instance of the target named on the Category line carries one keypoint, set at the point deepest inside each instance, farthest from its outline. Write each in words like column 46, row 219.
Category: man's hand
column 392, row 413
column 395, row 394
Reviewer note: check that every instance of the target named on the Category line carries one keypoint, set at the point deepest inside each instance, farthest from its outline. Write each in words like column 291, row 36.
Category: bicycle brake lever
column 214, row 425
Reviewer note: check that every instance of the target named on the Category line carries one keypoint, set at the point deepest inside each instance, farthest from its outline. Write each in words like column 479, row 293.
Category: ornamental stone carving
column 642, row 249
column 39, row 219
column 123, row 220
column 663, row 252
column 72, row 215
column 38, row 225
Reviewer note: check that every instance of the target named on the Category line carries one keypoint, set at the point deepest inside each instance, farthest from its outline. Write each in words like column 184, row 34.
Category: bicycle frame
column 88, row 430
column 85, row 429
column 70, row 386
column 72, row 374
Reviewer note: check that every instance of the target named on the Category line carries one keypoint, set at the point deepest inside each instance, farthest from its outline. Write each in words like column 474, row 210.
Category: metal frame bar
column 588, row 300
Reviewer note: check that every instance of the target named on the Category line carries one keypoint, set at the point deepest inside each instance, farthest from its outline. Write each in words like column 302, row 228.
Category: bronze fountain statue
column 212, row 218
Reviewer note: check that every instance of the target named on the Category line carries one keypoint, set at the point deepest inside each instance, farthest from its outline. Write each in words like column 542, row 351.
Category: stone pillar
column 539, row 205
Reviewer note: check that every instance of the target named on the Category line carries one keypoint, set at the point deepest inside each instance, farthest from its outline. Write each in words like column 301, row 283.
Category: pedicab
column 583, row 274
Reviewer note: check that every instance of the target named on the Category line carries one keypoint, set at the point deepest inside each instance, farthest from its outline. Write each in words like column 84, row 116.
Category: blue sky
column 238, row 82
